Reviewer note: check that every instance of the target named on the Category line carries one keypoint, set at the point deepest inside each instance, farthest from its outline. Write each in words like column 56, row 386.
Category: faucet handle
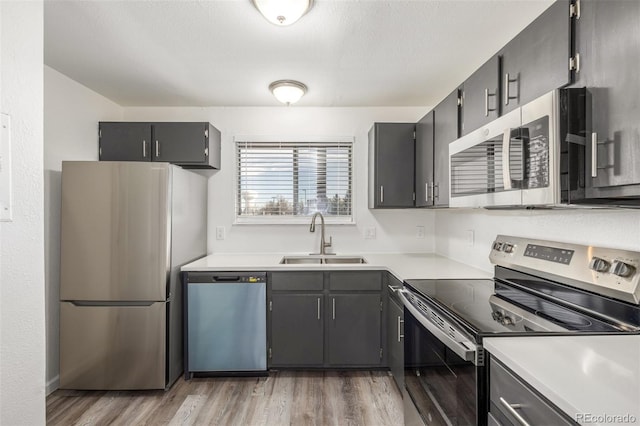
column 329, row 243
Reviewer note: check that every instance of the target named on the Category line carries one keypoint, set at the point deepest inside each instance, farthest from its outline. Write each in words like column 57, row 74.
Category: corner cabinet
column 188, row 144
column 391, row 165
column 607, row 40
column 325, row 319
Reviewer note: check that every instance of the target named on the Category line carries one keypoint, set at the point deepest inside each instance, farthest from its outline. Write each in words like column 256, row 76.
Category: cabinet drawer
column 507, row 389
column 299, row 281
column 355, row 280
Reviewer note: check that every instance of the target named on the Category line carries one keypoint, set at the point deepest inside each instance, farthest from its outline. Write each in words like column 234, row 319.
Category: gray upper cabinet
column 424, row 161
column 193, row 145
column 391, row 165
column 536, row 61
column 124, row 141
column 607, row 40
column 481, row 97
column 445, row 131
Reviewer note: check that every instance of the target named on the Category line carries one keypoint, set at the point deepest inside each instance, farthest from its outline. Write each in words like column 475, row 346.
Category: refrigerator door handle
column 81, row 303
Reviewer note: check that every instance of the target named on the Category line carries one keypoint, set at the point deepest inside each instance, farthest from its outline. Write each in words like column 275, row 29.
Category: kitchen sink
column 311, row 259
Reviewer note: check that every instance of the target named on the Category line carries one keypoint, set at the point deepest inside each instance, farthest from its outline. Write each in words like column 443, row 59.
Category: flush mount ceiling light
column 283, row 12
column 288, row 91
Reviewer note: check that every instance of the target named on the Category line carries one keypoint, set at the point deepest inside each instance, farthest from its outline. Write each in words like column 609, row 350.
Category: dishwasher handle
column 218, row 279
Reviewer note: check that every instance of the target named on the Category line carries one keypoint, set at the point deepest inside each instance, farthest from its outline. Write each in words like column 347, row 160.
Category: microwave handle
column 506, row 156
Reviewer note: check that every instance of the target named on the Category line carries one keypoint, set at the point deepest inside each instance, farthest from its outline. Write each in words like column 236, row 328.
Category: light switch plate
column 5, row 169
column 469, row 237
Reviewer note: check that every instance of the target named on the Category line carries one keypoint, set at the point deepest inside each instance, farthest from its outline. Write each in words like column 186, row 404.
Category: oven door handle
column 458, row 348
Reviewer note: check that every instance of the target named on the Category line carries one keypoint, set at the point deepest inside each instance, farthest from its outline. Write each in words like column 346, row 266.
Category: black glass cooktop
column 468, row 302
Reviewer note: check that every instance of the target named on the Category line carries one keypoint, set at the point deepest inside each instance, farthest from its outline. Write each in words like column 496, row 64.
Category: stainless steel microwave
column 532, row 156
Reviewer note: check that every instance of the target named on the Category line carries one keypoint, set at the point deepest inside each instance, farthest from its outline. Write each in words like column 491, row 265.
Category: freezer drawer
column 227, row 327
column 112, row 347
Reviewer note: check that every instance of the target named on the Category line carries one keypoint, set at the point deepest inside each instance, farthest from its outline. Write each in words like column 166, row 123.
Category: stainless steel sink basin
column 317, row 260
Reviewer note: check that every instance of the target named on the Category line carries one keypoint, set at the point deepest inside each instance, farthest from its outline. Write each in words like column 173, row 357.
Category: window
column 285, row 182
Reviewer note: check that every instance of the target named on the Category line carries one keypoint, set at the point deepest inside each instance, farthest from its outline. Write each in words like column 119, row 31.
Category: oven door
column 441, row 386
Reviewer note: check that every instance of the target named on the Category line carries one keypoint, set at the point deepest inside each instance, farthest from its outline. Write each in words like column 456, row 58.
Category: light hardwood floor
column 367, row 398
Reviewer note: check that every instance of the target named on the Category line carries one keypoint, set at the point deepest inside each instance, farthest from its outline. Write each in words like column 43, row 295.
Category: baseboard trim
column 53, row 384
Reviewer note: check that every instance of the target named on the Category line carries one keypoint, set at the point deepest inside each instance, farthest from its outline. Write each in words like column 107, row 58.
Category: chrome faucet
column 312, row 228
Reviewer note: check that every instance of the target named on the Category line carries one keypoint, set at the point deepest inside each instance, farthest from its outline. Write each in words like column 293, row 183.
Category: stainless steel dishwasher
column 225, row 323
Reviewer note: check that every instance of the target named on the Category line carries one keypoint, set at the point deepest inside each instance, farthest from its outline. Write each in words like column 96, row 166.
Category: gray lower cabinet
column 354, row 329
column 297, row 329
column 513, row 402
column 326, row 319
column 607, row 40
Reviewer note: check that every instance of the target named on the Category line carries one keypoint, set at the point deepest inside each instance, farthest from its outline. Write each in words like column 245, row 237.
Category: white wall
column 71, row 115
column 395, row 229
column 607, row 228
column 22, row 318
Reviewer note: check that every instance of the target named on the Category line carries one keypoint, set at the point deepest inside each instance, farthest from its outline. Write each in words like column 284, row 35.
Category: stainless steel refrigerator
column 126, row 229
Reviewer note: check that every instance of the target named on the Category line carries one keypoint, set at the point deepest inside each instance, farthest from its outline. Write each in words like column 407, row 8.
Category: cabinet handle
column 507, row 82
column 318, row 308
column 333, row 302
column 512, row 410
column 594, row 154
column 436, row 191
column 426, row 192
column 144, row 148
column 157, row 148
column 400, row 335
column 381, row 194
column 486, row 102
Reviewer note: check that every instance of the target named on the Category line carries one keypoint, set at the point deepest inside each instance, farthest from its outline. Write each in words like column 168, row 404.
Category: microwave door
column 542, row 157
column 477, row 165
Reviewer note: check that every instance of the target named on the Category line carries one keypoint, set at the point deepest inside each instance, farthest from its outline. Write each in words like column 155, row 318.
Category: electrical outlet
column 219, row 232
column 5, row 169
column 419, row 231
column 469, row 237
column 370, row 233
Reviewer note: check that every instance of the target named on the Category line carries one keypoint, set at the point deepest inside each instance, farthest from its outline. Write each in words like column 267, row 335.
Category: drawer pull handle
column 512, row 410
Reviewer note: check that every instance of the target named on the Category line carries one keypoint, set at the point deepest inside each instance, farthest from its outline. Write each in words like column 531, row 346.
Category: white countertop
column 596, row 375
column 402, row 266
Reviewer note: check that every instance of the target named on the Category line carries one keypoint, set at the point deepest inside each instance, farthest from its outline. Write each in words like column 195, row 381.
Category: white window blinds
column 280, row 181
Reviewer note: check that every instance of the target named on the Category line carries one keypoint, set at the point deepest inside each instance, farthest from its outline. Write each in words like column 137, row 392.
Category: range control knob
column 507, row 248
column 622, row 269
column 598, row 264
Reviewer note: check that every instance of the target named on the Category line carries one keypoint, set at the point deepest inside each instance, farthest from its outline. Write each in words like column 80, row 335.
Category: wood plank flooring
column 367, row 398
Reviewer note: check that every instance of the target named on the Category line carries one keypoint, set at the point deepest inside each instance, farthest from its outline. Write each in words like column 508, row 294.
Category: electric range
column 539, row 288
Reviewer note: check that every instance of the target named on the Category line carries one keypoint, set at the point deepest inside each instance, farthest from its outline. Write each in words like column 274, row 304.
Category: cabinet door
column 395, row 341
column 608, row 36
column 445, row 131
column 391, row 165
column 536, row 61
column 424, row 161
column 180, row 143
column 354, row 329
column 481, row 97
column 119, row 141
column 297, row 331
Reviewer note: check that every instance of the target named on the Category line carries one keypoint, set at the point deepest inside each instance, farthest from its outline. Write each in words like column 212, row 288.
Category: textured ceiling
column 224, row 53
